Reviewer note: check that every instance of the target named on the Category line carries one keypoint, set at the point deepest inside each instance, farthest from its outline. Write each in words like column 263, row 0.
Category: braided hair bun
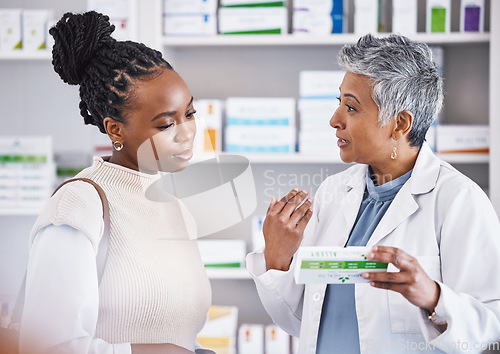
column 77, row 39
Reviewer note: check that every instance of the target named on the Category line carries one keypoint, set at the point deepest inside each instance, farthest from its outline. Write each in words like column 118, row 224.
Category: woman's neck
column 392, row 169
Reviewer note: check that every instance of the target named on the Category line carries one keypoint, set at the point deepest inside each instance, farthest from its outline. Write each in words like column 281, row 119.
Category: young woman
column 154, row 293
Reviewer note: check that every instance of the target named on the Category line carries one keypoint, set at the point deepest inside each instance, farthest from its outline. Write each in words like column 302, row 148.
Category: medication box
column 251, row 339
column 189, row 6
column 334, row 265
column 463, row 138
column 251, row 3
column 35, row 31
column 472, row 16
column 260, row 124
column 404, row 16
column 10, row 29
column 438, row 16
column 219, row 331
column 365, row 16
column 277, row 340
column 253, row 20
column 222, row 253
column 189, row 24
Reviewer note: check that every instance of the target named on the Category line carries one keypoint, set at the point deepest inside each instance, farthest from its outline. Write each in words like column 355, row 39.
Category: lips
column 342, row 142
column 184, row 155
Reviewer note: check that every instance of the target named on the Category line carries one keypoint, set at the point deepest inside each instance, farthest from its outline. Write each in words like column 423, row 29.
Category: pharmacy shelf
column 297, row 158
column 228, row 273
column 14, row 211
column 23, row 55
column 273, row 40
column 299, row 40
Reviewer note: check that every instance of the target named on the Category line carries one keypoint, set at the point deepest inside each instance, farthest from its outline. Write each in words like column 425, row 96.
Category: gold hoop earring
column 117, row 145
column 394, row 152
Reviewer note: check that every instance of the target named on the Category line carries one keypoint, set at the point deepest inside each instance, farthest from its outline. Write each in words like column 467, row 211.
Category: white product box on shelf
column 319, row 143
column 260, row 124
column 10, row 29
column 404, row 16
column 472, row 16
column 438, row 16
column 243, row 3
column 190, row 24
column 27, row 172
column 322, row 84
column 222, row 253
column 209, row 137
column 253, row 20
column 220, row 329
column 189, row 6
column 365, row 16
column 122, row 14
column 317, row 24
column 334, row 265
column 251, row 339
column 35, row 29
column 463, row 138
column 319, row 17
column 327, row 105
column 258, row 241
column 277, row 340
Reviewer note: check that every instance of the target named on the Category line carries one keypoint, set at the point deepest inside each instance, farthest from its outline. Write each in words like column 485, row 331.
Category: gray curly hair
column 404, row 78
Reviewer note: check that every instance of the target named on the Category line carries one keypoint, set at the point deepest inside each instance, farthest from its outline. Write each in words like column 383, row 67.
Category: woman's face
column 162, row 121
column 361, row 139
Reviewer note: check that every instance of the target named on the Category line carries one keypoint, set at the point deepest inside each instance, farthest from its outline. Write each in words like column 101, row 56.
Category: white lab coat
column 440, row 217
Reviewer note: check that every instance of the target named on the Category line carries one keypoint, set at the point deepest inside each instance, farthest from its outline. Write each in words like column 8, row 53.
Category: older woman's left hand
column 411, row 281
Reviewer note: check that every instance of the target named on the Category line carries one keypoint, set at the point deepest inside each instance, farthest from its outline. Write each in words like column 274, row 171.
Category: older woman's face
column 361, row 139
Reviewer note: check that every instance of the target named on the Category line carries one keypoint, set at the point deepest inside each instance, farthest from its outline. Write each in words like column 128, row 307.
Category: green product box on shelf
column 253, row 20
column 251, row 3
column 438, row 16
column 334, row 265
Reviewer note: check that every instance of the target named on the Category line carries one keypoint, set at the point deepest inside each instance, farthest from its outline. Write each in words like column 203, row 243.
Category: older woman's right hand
column 284, row 228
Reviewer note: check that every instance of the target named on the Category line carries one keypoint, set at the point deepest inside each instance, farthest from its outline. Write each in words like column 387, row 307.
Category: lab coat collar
column 426, row 171
column 423, row 180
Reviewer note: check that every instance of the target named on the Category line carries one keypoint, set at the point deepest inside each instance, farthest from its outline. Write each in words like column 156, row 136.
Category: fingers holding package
column 411, row 281
column 284, row 227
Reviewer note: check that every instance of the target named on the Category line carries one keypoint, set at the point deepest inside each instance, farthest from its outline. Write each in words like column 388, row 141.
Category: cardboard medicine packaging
column 334, row 265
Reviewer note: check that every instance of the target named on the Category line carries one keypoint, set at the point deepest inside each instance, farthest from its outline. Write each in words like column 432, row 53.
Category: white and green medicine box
column 334, row 265
column 10, row 29
column 251, row 3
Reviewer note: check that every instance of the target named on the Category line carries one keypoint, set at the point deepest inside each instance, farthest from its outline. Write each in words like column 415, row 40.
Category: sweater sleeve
column 76, row 204
column 62, row 296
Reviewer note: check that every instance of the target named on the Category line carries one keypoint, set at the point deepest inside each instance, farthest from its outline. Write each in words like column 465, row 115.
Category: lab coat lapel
column 401, row 208
column 342, row 219
column 423, row 179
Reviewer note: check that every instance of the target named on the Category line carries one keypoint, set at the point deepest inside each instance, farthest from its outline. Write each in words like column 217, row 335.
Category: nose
column 184, row 132
column 336, row 120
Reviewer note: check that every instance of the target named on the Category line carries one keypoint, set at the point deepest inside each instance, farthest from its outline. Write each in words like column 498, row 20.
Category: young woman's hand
column 411, row 281
column 284, row 228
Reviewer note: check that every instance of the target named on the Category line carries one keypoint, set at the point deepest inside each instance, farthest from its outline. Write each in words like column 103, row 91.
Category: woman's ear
column 404, row 122
column 114, row 129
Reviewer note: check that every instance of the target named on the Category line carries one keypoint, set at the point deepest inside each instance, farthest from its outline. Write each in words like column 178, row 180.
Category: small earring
column 394, row 152
column 117, row 145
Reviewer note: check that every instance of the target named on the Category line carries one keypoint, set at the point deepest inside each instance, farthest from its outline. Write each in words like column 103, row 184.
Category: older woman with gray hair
column 435, row 228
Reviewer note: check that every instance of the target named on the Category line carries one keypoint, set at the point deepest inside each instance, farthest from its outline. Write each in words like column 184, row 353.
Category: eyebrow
column 351, row 95
column 170, row 113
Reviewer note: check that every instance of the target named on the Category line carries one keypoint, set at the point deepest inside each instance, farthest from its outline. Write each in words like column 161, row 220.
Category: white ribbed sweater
column 154, row 288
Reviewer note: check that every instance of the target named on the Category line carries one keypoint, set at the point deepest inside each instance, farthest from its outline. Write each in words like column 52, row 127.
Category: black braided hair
column 85, row 54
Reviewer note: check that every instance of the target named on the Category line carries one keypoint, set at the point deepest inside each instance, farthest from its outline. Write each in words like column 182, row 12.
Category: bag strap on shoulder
column 102, row 251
